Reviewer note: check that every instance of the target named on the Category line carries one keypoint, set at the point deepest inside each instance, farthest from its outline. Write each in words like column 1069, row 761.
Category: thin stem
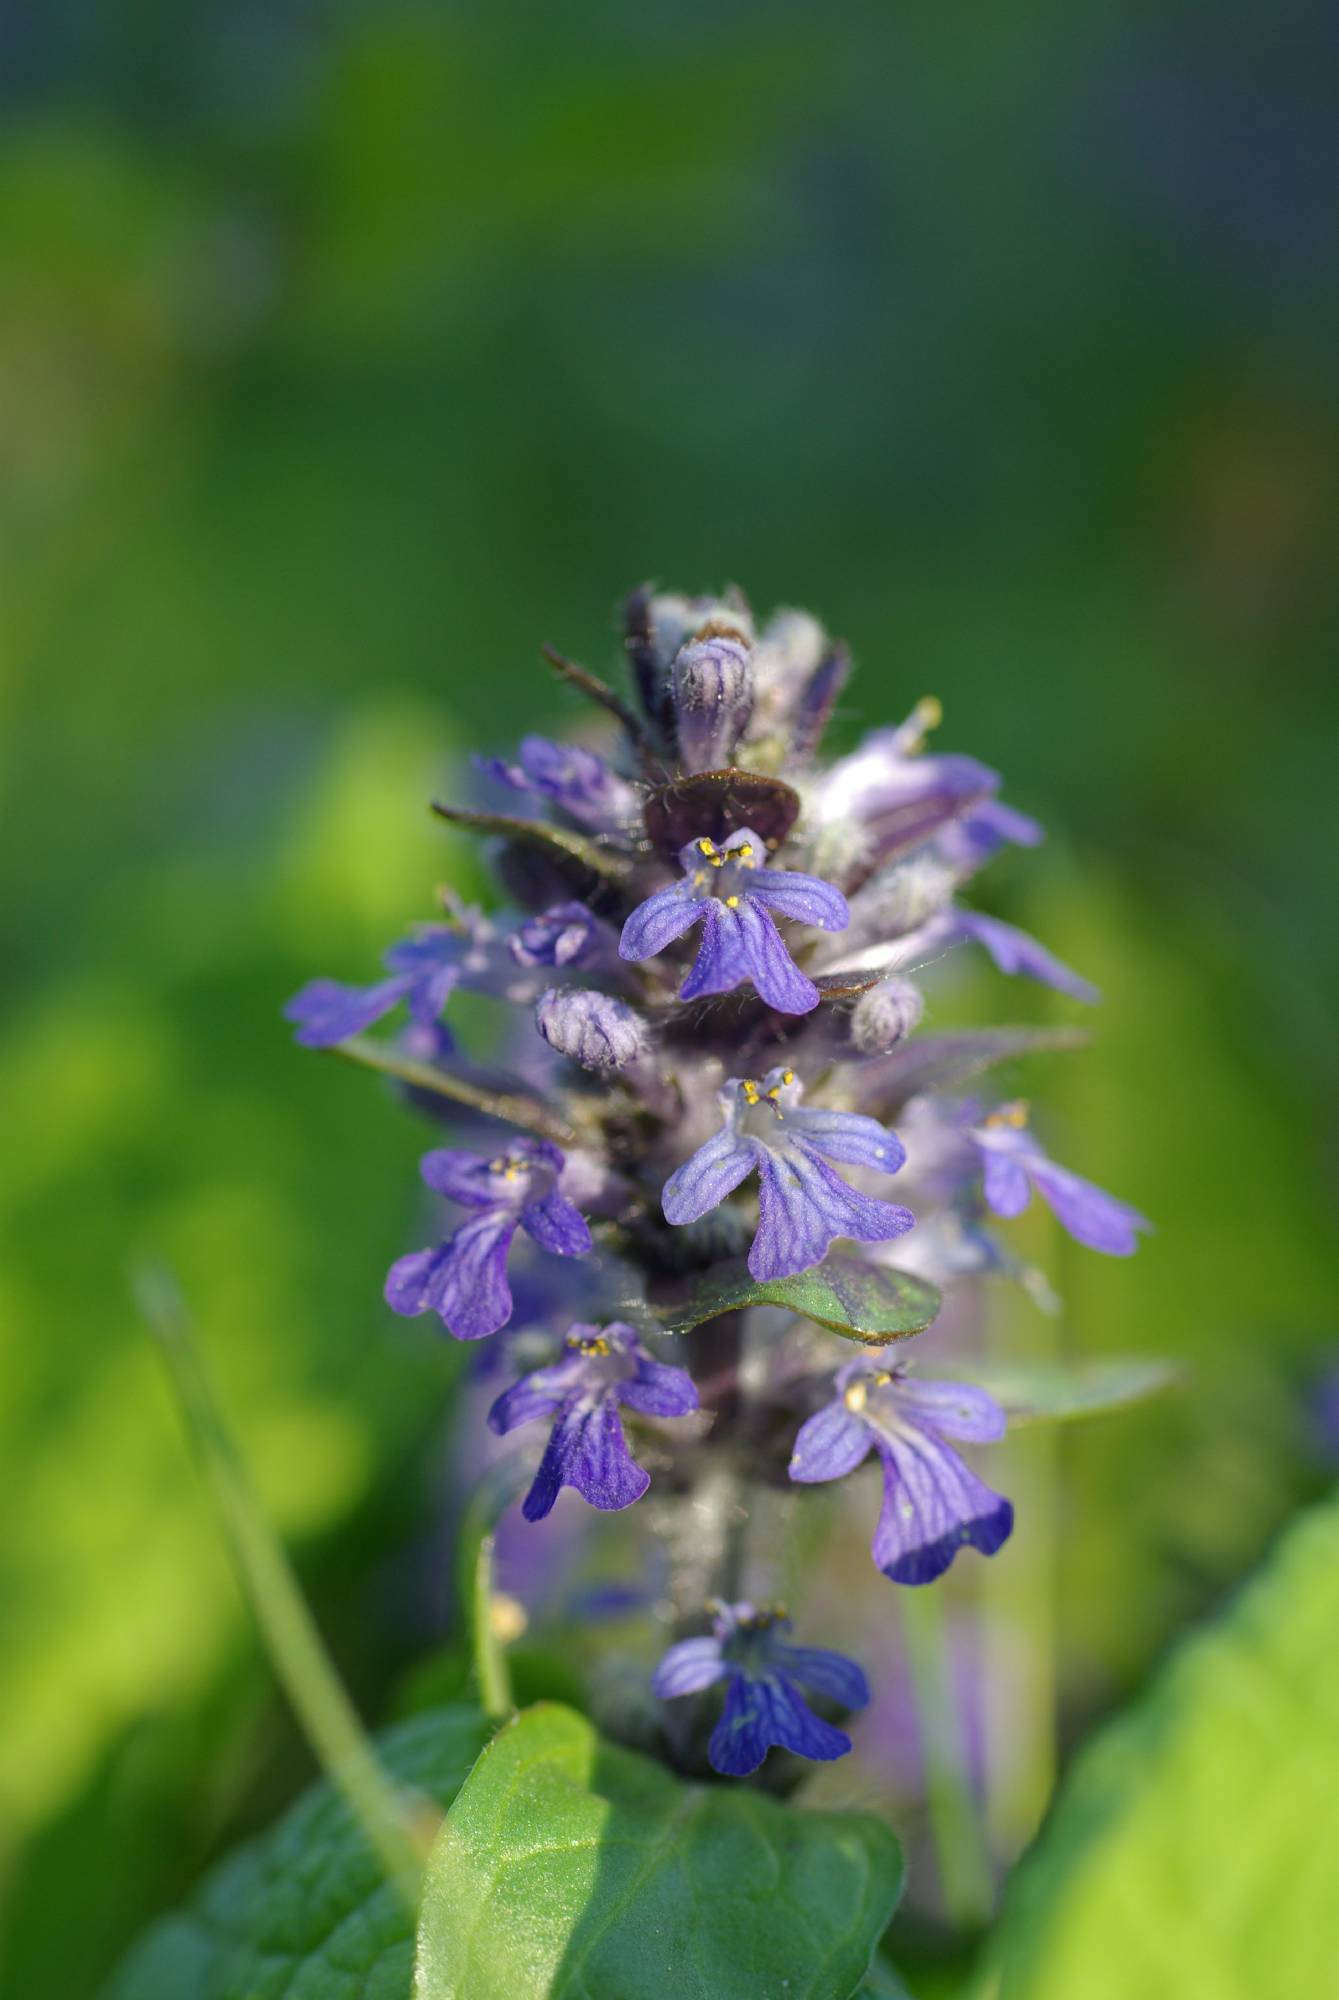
column 960, row 1849
column 296, row 1650
column 1018, row 1593
column 509, row 1106
column 477, row 1539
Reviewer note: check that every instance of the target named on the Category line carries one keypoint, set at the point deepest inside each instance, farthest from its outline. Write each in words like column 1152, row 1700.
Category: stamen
column 856, row 1397
column 752, row 1094
column 732, row 902
column 1014, row 1116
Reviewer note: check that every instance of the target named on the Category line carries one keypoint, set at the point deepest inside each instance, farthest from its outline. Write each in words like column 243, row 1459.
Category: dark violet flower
column 1014, row 1163
column 464, row 1280
column 732, row 892
column 602, row 1368
column 567, row 936
column 802, row 1204
column 591, row 1028
column 577, row 781
column 424, row 969
column 933, row 1504
column 763, row 1676
column 712, row 691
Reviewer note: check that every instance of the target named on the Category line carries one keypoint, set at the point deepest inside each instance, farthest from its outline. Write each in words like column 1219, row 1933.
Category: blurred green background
column 349, row 351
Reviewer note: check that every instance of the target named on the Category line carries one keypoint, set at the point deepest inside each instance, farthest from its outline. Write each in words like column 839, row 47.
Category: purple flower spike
column 425, row 970
column 764, row 1677
column 933, row 1504
column 1014, row 1163
column 603, row 1368
column 577, row 781
column 464, row 1280
column 731, row 891
column 803, row 1204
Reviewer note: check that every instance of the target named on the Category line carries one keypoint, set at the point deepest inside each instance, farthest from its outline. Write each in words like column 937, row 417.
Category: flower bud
column 590, row 1028
column 712, row 687
column 884, row 1015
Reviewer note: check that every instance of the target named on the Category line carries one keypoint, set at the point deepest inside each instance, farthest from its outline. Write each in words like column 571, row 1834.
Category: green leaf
column 305, row 1911
column 1194, row 1851
column 1061, row 1391
column 568, row 1869
column 864, row 1301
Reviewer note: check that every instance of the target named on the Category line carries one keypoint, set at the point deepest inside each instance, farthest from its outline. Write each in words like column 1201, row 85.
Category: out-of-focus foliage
column 344, row 355
column 306, row 1909
column 1194, row 1849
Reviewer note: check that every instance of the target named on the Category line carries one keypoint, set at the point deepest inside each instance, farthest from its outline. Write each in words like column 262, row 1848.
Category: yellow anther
column 750, row 1090
column 788, row 1076
column 1015, row 1116
column 856, row 1397
column 705, row 846
column 732, row 902
column 497, row 1166
column 929, row 711
column 744, row 850
column 699, row 877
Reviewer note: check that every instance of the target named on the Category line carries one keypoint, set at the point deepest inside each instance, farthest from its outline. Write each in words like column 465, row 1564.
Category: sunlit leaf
column 568, row 1868
column 1195, row 1849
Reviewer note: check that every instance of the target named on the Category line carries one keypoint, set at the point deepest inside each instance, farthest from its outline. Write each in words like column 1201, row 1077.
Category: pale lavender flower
column 732, row 892
column 802, row 1204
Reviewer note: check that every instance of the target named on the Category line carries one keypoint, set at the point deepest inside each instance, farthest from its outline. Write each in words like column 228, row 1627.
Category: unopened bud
column 590, row 1028
column 712, row 686
column 884, row 1015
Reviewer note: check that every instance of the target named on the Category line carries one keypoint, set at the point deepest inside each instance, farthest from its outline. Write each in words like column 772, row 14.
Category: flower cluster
column 710, row 1022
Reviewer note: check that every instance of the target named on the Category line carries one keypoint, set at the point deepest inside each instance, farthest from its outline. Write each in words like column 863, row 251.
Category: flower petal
column 847, row 1136
column 587, row 1450
column 464, row 1177
column 1013, row 951
column 832, row 1443
column 1005, row 1183
column 803, row 898
column 933, row 1505
column 472, row 1293
column 958, row 1409
column 820, row 1671
column 327, row 1012
column 713, row 1172
column 804, row 1205
column 412, row 1281
column 761, row 1713
column 659, row 1390
column 689, row 1667
column 557, row 1225
column 745, row 943
column 535, row 1395
column 659, row 920
column 1088, row 1212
